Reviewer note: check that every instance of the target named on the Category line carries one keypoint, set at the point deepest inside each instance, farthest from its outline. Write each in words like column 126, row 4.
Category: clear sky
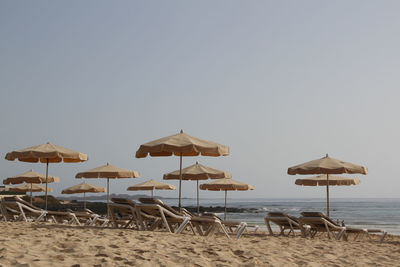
column 280, row 82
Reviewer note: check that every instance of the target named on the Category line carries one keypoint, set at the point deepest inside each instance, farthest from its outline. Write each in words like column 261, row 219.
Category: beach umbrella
column 47, row 153
column 110, row 172
column 83, row 188
column 226, row 184
column 197, row 172
column 30, row 188
column 181, row 145
column 31, row 177
column 151, row 185
column 321, row 180
column 327, row 166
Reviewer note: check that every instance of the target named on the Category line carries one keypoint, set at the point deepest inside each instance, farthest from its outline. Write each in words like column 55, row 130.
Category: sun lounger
column 233, row 227
column 361, row 232
column 13, row 210
column 285, row 222
column 122, row 213
column 319, row 222
column 168, row 218
column 90, row 218
column 358, row 232
column 205, row 225
column 28, row 209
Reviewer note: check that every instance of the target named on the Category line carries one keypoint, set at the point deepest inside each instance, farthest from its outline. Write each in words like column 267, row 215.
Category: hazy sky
column 280, row 82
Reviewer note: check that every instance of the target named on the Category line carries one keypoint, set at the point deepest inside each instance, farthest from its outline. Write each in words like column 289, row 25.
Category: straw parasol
column 327, row 166
column 321, row 180
column 226, row 184
column 197, row 172
column 30, row 188
column 181, row 145
column 151, row 185
column 110, row 172
column 83, row 188
column 47, row 153
column 30, row 177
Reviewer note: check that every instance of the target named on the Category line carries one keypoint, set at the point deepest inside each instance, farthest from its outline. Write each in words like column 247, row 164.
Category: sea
column 359, row 212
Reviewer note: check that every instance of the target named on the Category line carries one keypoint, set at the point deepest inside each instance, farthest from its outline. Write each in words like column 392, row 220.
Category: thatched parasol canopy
column 31, row 177
column 30, row 188
column 181, row 145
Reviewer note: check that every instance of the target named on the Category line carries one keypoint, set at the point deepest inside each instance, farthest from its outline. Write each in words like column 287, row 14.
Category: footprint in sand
column 139, row 257
column 113, row 246
column 210, row 252
column 68, row 250
column 140, row 251
column 102, row 255
column 121, row 234
column 191, row 250
column 238, row 252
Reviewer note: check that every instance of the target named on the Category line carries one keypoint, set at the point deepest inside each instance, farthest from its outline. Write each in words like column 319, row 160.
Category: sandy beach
column 29, row 244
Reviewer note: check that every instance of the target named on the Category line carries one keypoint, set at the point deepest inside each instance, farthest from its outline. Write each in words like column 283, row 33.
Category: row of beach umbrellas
column 181, row 145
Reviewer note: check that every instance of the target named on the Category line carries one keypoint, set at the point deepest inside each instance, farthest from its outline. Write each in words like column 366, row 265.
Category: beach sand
column 30, row 244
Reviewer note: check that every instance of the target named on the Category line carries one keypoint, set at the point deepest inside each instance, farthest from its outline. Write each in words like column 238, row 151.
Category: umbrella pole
column 225, row 204
column 47, row 176
column 31, row 193
column 84, row 200
column 327, row 194
column 108, row 195
column 198, row 207
column 180, row 181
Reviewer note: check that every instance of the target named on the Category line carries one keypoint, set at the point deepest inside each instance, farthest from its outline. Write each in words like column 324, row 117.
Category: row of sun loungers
column 312, row 223
column 16, row 209
column 151, row 214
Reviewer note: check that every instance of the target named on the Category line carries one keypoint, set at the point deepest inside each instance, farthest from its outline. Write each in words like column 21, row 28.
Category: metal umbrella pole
column 84, row 200
column 225, row 204
column 327, row 194
column 31, row 193
column 180, row 182
column 108, row 196
column 47, row 177
column 198, row 207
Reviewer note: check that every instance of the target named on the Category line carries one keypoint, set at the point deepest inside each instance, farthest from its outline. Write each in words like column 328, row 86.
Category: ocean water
column 364, row 213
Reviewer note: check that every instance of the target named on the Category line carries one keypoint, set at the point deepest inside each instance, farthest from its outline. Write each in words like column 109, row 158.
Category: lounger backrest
column 26, row 203
column 120, row 200
column 282, row 214
column 211, row 214
column 277, row 214
column 161, row 203
column 124, row 201
column 89, row 211
column 156, row 210
column 20, row 200
column 15, row 205
column 319, row 214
